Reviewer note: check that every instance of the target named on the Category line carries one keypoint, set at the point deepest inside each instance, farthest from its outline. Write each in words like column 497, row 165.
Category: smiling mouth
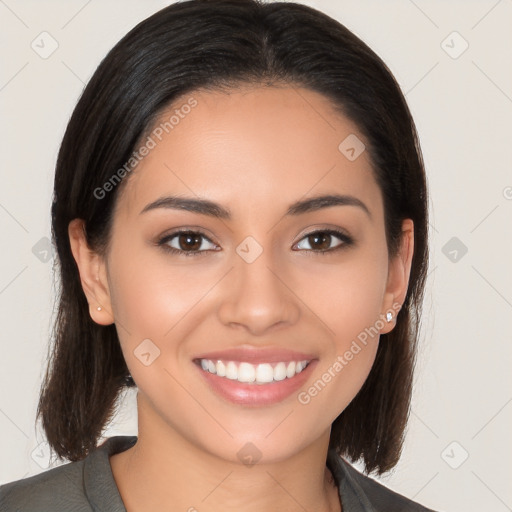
column 248, row 373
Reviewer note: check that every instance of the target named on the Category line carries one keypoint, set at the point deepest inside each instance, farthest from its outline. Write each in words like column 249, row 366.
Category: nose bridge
column 258, row 272
column 257, row 296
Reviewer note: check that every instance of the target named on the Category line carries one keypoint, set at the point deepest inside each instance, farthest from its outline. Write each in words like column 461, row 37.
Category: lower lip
column 256, row 394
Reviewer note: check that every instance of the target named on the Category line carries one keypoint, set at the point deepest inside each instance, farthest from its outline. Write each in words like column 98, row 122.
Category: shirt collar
column 102, row 492
column 100, row 487
column 352, row 496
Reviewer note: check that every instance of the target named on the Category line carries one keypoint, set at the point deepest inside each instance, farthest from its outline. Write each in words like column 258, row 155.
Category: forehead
column 250, row 148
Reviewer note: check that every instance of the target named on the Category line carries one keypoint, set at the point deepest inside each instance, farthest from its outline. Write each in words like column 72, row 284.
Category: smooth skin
column 254, row 150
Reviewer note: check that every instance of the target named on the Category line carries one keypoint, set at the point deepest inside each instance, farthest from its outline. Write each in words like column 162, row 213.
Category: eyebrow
column 212, row 209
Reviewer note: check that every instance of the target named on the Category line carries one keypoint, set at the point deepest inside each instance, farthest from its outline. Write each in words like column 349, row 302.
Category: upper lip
column 256, row 355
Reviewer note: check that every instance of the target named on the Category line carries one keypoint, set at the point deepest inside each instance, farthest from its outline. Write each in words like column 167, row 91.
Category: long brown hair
column 213, row 44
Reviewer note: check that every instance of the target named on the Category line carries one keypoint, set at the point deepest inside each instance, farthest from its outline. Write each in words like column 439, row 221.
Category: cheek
column 348, row 300
column 155, row 306
column 149, row 296
column 348, row 360
column 348, row 295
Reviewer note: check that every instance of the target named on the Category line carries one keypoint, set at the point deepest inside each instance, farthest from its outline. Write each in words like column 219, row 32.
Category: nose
column 258, row 297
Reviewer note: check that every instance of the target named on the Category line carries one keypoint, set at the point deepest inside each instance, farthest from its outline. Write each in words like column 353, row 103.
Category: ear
column 398, row 276
column 93, row 274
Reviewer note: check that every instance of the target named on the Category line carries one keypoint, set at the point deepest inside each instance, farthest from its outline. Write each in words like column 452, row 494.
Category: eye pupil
column 187, row 237
column 320, row 236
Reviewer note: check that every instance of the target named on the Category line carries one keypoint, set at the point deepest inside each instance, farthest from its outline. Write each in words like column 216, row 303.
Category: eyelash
column 347, row 241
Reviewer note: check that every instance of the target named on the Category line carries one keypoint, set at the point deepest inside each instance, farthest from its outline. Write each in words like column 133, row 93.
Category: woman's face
column 254, row 287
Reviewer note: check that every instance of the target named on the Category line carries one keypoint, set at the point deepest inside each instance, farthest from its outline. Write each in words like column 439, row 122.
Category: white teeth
column 249, row 373
column 264, row 373
column 221, row 369
column 231, row 371
column 280, row 371
column 290, row 369
column 246, row 373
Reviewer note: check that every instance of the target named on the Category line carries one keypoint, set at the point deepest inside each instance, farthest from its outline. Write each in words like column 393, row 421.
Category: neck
column 163, row 470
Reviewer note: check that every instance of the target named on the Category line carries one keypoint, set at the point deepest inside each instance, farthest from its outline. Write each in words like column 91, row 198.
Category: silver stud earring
column 389, row 316
column 99, row 308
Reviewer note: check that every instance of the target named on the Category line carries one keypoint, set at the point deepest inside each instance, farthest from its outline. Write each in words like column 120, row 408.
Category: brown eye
column 320, row 241
column 188, row 243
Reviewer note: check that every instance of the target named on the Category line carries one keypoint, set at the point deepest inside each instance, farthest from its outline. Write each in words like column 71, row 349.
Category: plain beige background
column 453, row 61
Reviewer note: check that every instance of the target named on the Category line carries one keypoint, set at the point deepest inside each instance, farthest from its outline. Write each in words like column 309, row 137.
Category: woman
column 240, row 216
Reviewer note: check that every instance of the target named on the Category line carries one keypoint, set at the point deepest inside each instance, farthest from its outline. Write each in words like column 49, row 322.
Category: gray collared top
column 89, row 486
